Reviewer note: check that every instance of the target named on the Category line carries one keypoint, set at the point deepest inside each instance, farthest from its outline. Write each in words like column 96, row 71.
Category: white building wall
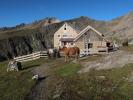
column 65, row 31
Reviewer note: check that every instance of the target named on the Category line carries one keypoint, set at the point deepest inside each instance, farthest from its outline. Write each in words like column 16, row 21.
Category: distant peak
column 83, row 17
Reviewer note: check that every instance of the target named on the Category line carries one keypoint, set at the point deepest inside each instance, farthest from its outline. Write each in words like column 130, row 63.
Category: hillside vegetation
column 27, row 38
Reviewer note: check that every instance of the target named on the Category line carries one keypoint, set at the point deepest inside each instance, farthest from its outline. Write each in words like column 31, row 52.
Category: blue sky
column 13, row 12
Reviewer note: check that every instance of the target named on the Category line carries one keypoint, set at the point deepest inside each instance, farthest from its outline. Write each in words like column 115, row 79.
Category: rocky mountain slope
column 122, row 27
column 27, row 38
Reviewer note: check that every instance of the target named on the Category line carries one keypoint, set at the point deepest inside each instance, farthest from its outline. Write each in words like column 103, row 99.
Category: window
column 90, row 45
column 71, row 43
column 65, row 28
column 64, row 35
column 58, row 35
column 103, row 35
column 65, row 43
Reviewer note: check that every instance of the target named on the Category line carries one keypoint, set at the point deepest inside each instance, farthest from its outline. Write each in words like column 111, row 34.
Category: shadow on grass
column 42, row 78
column 31, row 66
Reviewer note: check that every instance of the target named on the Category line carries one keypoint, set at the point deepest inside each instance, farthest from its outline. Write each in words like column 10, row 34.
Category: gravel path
column 112, row 60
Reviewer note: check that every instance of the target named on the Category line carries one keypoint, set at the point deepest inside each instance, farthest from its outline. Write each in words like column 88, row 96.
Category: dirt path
column 40, row 90
column 112, row 60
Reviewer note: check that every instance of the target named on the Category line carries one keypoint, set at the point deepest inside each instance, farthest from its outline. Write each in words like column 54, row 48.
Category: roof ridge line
column 86, row 29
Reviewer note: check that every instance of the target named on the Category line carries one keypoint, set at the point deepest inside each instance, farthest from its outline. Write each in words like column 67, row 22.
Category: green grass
column 68, row 69
column 91, row 58
column 16, row 85
column 89, row 86
column 116, row 78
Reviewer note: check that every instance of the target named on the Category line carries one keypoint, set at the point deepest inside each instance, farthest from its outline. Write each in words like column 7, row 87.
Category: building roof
column 81, row 30
column 90, row 28
column 77, row 27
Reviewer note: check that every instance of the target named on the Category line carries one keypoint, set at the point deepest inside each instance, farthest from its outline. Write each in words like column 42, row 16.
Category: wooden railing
column 33, row 56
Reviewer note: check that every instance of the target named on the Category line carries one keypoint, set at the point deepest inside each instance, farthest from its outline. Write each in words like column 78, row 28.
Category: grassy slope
column 74, row 86
column 16, row 85
column 17, row 33
column 114, row 85
column 68, row 69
